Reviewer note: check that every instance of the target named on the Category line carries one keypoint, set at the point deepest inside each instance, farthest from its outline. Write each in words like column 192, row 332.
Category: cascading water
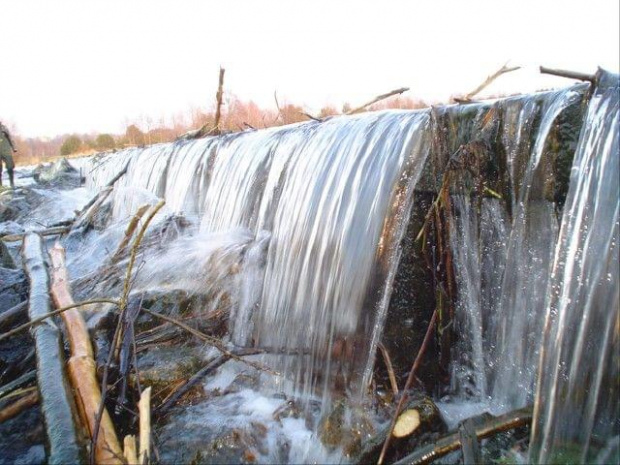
column 502, row 266
column 302, row 227
column 577, row 412
column 328, row 202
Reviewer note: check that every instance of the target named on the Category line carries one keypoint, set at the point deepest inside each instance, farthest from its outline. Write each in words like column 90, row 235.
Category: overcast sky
column 82, row 66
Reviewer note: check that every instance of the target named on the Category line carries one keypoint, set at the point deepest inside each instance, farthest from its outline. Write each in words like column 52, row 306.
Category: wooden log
column 82, row 366
column 569, row 74
column 17, row 407
column 144, row 408
column 56, row 405
column 452, row 442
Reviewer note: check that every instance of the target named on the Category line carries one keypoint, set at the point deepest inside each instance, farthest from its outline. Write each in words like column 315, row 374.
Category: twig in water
column 388, row 366
column 211, row 341
column 19, row 406
column 38, row 320
column 414, row 368
column 122, row 304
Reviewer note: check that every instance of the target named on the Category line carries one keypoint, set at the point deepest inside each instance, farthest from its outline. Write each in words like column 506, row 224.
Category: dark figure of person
column 7, row 148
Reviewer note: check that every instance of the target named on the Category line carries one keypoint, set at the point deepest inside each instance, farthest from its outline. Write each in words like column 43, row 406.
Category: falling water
column 502, row 266
column 315, row 213
column 577, row 411
column 326, row 204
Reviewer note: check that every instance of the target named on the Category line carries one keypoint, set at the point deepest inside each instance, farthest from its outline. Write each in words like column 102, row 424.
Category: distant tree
column 71, row 145
column 105, row 142
column 133, row 135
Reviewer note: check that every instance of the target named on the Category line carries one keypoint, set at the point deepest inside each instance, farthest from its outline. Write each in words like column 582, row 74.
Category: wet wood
column 452, row 442
column 12, row 315
column 469, row 443
column 82, row 365
column 109, row 185
column 17, row 407
column 56, row 403
column 129, row 232
column 17, row 383
column 407, row 423
column 390, row 369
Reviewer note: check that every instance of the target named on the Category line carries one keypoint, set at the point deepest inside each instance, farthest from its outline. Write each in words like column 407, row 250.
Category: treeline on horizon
column 237, row 115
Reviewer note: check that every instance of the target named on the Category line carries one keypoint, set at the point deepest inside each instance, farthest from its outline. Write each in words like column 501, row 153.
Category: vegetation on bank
column 237, row 115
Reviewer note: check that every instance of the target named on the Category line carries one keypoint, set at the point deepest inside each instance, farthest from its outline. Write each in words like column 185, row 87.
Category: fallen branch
column 17, row 407
column 129, row 232
column 403, row 398
column 109, row 184
column 8, row 317
column 39, row 319
column 82, row 365
column 55, row 401
column 377, row 99
column 19, row 382
column 44, row 232
column 85, row 218
column 503, row 70
column 113, row 353
column 452, row 442
column 569, row 74
column 209, row 368
column 215, row 342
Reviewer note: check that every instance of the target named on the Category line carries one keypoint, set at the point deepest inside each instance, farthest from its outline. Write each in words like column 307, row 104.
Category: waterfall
column 577, row 409
column 326, row 203
column 502, row 266
column 311, row 219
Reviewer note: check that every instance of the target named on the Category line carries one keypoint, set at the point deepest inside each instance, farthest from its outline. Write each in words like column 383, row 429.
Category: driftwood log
column 56, row 403
column 452, row 442
column 82, row 366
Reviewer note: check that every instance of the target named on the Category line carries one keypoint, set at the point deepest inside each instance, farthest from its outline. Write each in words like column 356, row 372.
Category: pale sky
column 86, row 65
